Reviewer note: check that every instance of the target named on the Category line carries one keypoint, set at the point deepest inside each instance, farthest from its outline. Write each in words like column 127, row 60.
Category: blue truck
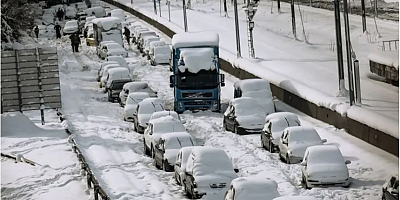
column 196, row 77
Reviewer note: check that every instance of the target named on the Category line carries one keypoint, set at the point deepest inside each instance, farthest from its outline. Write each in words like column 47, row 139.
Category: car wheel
column 305, row 182
column 262, row 142
column 124, row 118
column 146, row 152
column 110, row 99
column 235, row 130
column 287, row 159
column 271, row 147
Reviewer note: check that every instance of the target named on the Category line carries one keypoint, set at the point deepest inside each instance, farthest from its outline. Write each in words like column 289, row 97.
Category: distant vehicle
column 70, row 12
column 131, row 104
column 136, row 32
column 121, row 60
column 254, row 188
column 116, row 79
column 146, row 43
column 89, row 19
column 81, row 6
column 390, row 190
column 275, row 123
column 180, row 164
column 107, row 29
column 103, row 79
column 258, row 89
column 88, row 27
column 160, row 55
column 129, row 20
column 294, row 142
column 101, row 69
column 209, row 171
column 156, row 128
column 97, row 10
column 243, row 115
column 144, row 111
column 167, row 148
column 165, row 113
column 119, row 14
column 154, row 44
column 71, row 27
column 324, row 165
column 143, row 35
column 90, row 39
column 112, row 49
column 135, row 87
column 296, row 198
column 196, row 78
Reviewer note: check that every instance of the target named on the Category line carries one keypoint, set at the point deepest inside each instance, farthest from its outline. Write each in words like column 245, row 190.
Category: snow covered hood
column 107, row 22
column 195, row 39
column 251, row 121
column 197, row 59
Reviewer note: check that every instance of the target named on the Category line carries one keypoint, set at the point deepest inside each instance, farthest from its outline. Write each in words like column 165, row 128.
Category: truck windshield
column 204, row 79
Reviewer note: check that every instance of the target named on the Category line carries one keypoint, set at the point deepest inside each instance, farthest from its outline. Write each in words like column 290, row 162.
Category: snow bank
column 180, row 40
column 196, row 60
column 107, row 22
column 389, row 58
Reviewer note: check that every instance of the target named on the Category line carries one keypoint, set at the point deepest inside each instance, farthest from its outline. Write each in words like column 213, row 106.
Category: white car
column 101, row 45
column 131, row 104
column 156, row 128
column 101, row 69
column 295, row 198
column 294, row 142
column 112, row 49
column 243, row 115
column 71, row 27
column 254, row 188
column 141, row 36
column 275, row 123
column 146, row 43
column 135, row 87
column 180, row 164
column 118, row 13
column 117, row 73
column 70, row 12
column 258, row 89
column 144, row 111
column 167, row 148
column 160, row 55
column 136, row 32
column 324, row 165
column 103, row 79
column 121, row 60
column 165, row 113
column 209, row 171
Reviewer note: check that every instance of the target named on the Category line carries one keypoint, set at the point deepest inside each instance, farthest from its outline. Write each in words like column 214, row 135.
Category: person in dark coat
column 57, row 27
column 36, row 30
column 127, row 34
column 75, row 41
column 59, row 14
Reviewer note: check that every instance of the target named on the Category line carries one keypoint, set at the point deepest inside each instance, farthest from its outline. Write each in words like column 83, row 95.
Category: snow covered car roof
column 111, row 66
column 180, row 40
column 243, row 102
column 119, row 59
column 183, row 137
column 303, row 133
column 295, row 198
column 107, row 22
column 95, row 9
column 157, row 43
column 106, row 42
column 164, row 113
column 102, row 65
column 136, row 97
column 252, row 85
column 255, row 188
column 284, row 116
column 246, row 106
column 196, row 59
column 324, row 154
column 71, row 23
column 210, row 159
column 139, row 86
column 118, row 73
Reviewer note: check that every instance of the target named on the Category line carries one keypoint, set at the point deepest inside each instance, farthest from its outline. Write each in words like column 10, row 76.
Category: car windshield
column 248, row 109
column 304, row 136
column 327, row 157
column 118, row 85
column 204, row 79
column 149, row 108
column 114, row 46
column 178, row 143
column 168, row 127
column 162, row 50
column 71, row 23
column 135, row 99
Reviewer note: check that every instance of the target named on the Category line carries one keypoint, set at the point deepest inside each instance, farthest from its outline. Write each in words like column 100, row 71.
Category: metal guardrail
column 390, row 45
column 92, row 182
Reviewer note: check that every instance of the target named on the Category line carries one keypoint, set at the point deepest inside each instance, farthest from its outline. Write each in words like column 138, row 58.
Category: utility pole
column 339, row 51
column 155, row 7
column 293, row 19
column 184, row 16
column 169, row 10
column 159, row 6
column 238, row 51
column 364, row 22
column 251, row 10
column 279, row 6
column 348, row 51
column 376, row 8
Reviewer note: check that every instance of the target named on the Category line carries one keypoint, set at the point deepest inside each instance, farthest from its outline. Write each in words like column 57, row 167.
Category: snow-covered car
column 146, row 43
column 89, row 19
column 88, row 27
column 96, row 11
column 81, row 6
column 160, row 55
column 121, row 60
column 155, row 44
column 71, row 27
column 295, row 198
column 165, row 113
column 130, row 20
column 390, row 190
column 324, row 165
column 70, row 12
column 275, row 123
column 243, row 115
column 101, row 45
column 101, row 69
column 116, row 79
column 135, row 87
column 254, row 188
column 294, row 142
column 209, row 171
column 144, row 37
column 167, row 148
column 180, row 164
column 136, row 32
column 118, row 13
column 144, row 111
column 103, row 79
column 90, row 39
column 112, row 49
column 258, row 89
column 132, row 102
column 156, row 128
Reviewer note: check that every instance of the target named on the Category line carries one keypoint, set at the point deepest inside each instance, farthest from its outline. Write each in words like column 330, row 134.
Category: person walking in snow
column 57, row 27
column 59, row 14
column 127, row 34
column 75, row 41
column 36, row 30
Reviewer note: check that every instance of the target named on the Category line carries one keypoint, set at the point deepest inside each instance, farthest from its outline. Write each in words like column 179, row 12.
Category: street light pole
column 155, row 7
column 238, row 52
column 251, row 10
column 348, row 51
column 169, row 10
column 184, row 16
column 339, row 48
column 159, row 6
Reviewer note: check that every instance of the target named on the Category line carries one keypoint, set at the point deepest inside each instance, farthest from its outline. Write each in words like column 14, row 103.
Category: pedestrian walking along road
column 75, row 41
column 127, row 34
column 57, row 27
column 36, row 30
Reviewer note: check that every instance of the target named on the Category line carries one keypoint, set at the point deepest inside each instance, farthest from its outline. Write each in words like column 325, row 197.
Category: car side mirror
column 324, row 140
column 303, row 163
column 347, row 162
column 236, row 170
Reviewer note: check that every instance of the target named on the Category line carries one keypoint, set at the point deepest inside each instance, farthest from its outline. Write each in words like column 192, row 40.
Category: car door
column 231, row 118
column 283, row 144
column 159, row 151
column 148, row 135
column 304, row 167
column 266, row 132
column 177, row 167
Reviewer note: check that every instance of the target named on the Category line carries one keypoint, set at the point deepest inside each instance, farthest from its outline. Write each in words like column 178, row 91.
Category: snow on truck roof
column 106, row 22
column 195, row 39
column 197, row 59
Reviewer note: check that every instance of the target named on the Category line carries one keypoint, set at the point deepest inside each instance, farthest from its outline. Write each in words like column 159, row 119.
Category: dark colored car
column 390, row 190
column 115, row 88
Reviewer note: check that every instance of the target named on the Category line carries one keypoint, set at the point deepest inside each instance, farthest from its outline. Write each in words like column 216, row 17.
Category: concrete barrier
column 362, row 131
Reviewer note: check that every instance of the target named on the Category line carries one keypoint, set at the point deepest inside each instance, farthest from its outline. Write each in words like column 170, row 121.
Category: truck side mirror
column 222, row 84
column 222, row 78
column 171, row 81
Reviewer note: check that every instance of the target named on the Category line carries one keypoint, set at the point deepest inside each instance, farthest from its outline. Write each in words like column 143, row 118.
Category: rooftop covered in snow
column 106, row 22
column 195, row 39
column 197, row 59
